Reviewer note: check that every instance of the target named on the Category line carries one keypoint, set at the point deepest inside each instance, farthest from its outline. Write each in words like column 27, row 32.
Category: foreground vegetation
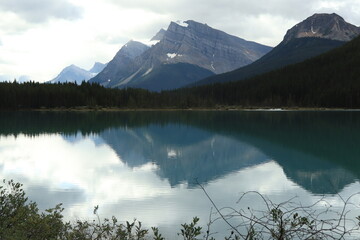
column 21, row 219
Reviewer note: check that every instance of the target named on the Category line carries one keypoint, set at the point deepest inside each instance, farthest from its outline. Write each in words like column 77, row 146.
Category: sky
column 38, row 38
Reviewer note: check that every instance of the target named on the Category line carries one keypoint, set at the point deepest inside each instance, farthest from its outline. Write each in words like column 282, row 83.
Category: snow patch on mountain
column 182, row 23
column 173, row 55
column 147, row 72
column 149, row 43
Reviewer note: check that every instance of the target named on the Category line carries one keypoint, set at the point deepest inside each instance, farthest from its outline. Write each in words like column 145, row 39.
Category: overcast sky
column 39, row 38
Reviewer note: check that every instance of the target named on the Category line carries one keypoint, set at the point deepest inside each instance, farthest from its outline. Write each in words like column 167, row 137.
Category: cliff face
column 198, row 44
column 328, row 26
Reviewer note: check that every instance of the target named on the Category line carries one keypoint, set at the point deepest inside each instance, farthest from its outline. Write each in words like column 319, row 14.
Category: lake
column 150, row 165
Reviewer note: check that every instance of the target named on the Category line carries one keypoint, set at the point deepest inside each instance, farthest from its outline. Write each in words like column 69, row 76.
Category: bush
column 20, row 219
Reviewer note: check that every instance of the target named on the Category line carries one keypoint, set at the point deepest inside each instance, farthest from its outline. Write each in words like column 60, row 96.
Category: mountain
column 328, row 26
column 122, row 65
column 159, row 36
column 98, row 67
column 76, row 74
column 331, row 80
column 208, row 50
column 313, row 36
column 72, row 73
column 198, row 44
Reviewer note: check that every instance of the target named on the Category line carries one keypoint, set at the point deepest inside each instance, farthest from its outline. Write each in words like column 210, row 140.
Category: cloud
column 37, row 11
column 261, row 20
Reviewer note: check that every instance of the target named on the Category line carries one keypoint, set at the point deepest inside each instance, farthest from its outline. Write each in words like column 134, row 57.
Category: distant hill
column 75, row 74
column 313, row 36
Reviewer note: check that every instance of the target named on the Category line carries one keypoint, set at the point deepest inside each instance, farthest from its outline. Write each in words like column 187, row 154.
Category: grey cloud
column 215, row 8
column 112, row 39
column 41, row 10
column 238, row 17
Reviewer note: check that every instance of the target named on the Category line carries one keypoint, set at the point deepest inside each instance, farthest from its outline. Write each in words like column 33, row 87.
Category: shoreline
column 223, row 108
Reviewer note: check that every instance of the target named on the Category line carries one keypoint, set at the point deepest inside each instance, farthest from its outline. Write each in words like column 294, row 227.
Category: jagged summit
column 98, row 67
column 328, row 26
column 159, row 35
column 133, row 49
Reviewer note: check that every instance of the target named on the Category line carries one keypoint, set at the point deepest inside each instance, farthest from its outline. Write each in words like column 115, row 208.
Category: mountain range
column 76, row 74
column 190, row 54
column 186, row 52
column 315, row 35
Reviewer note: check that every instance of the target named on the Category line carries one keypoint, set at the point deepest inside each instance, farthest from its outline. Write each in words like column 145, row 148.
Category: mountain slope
column 314, row 36
column 189, row 42
column 329, row 80
column 98, row 67
column 169, row 76
column 122, row 65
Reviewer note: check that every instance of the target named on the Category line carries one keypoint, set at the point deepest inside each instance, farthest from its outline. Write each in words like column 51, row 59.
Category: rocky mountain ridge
column 198, row 44
column 203, row 50
column 328, row 26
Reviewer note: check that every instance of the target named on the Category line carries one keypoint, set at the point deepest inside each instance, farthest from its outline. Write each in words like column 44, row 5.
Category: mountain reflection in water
column 157, row 158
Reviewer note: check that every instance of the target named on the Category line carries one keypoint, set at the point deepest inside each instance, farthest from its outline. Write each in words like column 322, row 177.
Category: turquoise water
column 148, row 165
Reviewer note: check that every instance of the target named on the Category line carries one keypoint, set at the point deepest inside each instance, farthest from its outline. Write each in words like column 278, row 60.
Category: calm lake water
column 147, row 165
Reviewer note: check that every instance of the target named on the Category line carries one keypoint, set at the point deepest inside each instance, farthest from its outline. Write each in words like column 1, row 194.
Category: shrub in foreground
column 21, row 219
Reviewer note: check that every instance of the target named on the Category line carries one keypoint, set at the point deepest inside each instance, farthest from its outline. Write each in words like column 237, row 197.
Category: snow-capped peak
column 182, row 23
column 149, row 43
